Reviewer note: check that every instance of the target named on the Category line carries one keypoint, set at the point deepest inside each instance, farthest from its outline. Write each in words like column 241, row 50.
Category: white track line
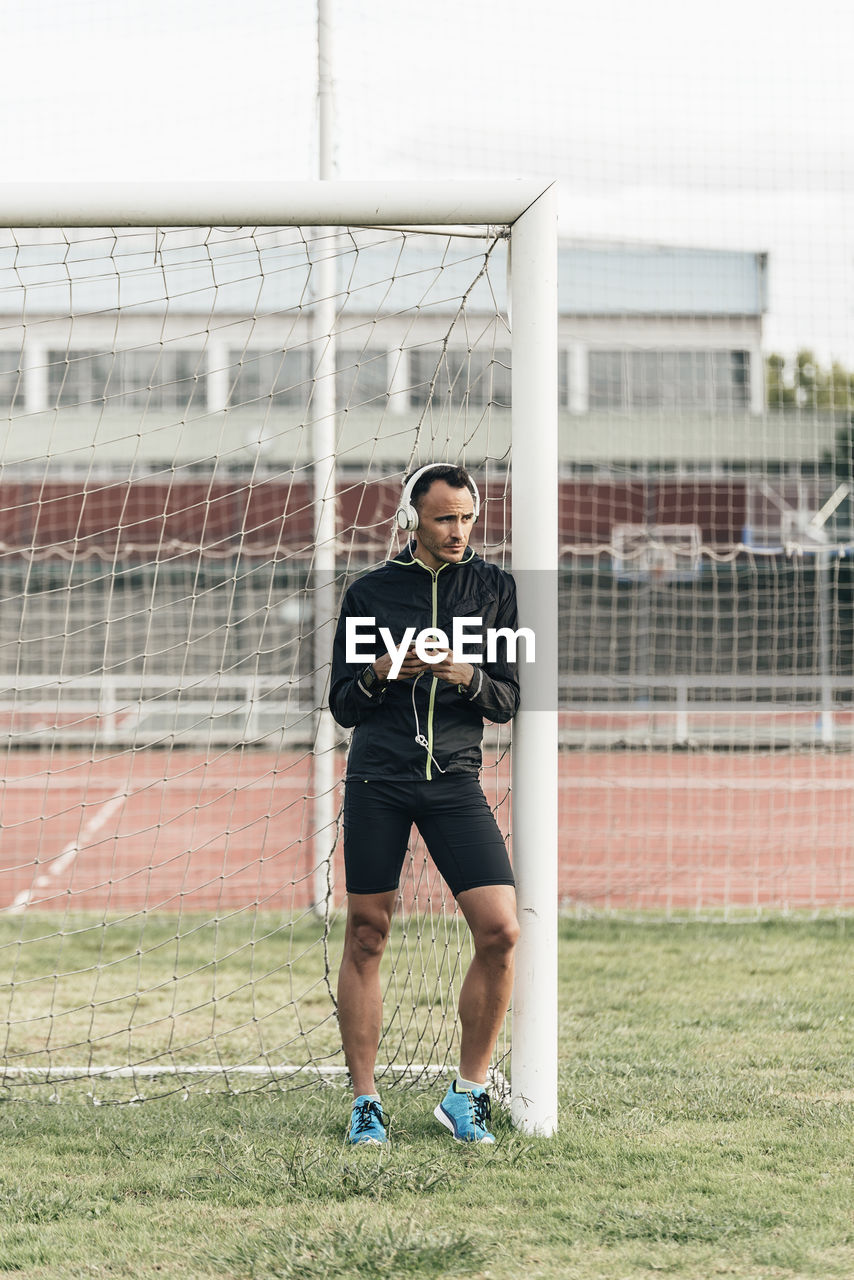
column 66, row 858
column 625, row 782
column 722, row 785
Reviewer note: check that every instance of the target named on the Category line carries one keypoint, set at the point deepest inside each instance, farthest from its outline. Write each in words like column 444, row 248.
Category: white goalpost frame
column 529, row 211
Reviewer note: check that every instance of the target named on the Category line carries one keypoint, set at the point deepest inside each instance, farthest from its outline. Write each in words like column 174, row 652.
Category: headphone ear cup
column 407, row 519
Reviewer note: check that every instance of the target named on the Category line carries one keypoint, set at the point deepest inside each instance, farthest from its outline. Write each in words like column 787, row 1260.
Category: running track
column 179, row 830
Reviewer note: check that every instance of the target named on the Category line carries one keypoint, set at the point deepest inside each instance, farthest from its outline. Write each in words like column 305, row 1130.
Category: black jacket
column 402, row 593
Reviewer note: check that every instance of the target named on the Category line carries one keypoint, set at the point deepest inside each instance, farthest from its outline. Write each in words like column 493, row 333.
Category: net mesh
column 168, row 904
column 706, row 699
column 169, row 910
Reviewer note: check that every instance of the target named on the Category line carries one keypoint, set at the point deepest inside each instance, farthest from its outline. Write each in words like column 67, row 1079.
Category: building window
column 732, row 379
column 669, row 379
column 361, row 377
column 563, row 379
column 11, row 381
column 152, row 377
column 284, row 377
column 78, row 377
column 479, row 378
column 606, row 380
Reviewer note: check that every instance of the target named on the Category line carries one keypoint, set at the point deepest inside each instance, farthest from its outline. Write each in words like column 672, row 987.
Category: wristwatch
column 369, row 679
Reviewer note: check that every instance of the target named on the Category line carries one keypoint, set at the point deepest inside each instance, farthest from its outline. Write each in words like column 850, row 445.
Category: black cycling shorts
column 453, row 817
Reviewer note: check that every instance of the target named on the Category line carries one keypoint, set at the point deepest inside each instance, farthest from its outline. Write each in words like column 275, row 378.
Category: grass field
column 707, row 1100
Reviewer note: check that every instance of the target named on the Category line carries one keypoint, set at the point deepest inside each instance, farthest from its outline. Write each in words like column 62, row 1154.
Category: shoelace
column 364, row 1114
column 482, row 1111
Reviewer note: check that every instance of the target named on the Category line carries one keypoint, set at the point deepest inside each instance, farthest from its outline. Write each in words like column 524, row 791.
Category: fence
column 750, row 651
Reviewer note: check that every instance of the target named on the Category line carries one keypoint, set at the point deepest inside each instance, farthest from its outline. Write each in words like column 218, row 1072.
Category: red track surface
column 652, row 829
column 180, row 830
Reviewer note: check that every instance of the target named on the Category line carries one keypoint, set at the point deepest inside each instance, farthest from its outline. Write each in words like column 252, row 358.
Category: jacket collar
column 407, row 558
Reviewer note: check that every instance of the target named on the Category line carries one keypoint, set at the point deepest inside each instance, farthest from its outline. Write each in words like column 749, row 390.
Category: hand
column 461, row 673
column 411, row 666
column 448, row 670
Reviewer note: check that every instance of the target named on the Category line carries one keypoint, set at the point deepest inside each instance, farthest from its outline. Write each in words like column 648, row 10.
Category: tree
column 803, row 383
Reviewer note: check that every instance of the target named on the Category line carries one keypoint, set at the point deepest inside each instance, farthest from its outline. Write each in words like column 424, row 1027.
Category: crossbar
column 285, row 204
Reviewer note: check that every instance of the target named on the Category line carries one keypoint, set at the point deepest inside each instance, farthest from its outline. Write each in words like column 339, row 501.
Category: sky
column 722, row 126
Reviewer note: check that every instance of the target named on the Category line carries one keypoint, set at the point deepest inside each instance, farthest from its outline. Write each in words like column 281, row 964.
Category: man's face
column 445, row 522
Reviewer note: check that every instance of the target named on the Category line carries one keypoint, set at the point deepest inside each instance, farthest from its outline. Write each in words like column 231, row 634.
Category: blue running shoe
column 367, row 1123
column 466, row 1114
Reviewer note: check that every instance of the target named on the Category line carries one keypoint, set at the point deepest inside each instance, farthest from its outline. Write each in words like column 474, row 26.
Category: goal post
column 526, row 213
column 535, row 556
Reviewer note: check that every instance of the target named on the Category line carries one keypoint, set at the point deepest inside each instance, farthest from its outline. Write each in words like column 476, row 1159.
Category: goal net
column 706, row 667
column 205, row 434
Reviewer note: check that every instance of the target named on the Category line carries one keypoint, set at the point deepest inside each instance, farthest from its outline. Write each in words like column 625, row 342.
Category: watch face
column 369, row 677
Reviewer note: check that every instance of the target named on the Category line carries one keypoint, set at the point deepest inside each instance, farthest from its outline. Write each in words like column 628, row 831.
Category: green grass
column 707, row 1108
column 251, row 988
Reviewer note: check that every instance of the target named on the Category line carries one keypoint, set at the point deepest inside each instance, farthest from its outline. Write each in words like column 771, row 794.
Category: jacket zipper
column 434, row 679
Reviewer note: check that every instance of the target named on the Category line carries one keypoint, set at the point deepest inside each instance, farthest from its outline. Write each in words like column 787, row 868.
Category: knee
column 498, row 939
column 367, row 940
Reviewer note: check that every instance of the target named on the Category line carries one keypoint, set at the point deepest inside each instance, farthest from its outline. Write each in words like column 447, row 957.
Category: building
column 148, row 353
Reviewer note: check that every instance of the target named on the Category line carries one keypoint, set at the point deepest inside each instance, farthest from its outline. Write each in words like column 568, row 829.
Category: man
column 415, row 757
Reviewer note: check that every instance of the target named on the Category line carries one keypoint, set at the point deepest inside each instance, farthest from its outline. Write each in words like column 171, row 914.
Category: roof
column 268, row 272
column 634, row 280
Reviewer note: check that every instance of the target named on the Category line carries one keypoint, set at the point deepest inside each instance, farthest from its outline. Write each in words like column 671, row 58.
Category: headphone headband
column 407, row 515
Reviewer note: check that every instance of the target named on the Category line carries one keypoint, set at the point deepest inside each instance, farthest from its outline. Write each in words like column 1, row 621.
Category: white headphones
column 407, row 516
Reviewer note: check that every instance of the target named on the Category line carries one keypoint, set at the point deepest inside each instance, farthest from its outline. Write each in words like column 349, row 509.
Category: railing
column 121, row 711
column 142, row 710
column 797, row 711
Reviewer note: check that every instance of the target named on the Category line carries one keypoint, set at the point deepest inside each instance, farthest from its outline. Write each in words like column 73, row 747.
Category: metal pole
column 825, row 645
column 535, row 730
column 325, row 100
column 322, row 580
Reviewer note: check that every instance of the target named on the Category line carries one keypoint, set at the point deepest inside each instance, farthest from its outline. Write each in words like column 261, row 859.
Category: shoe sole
column 443, row 1118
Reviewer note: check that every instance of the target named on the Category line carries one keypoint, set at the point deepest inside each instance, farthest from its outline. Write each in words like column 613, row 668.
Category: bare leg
column 360, row 1008
column 485, row 996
